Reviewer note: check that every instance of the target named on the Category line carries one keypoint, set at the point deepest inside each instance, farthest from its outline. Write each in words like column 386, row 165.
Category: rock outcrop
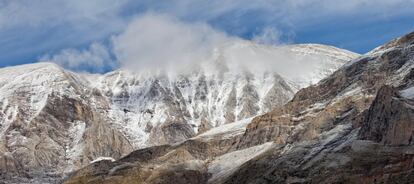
column 390, row 119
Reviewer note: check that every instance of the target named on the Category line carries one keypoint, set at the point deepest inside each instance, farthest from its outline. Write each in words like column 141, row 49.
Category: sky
column 101, row 35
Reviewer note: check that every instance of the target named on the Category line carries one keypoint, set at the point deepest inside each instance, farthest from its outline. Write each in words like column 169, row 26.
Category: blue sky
column 87, row 35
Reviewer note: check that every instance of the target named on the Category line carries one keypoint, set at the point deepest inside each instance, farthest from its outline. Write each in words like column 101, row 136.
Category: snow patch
column 327, row 138
column 352, row 91
column 408, row 93
column 74, row 148
column 226, row 131
column 103, row 158
column 226, row 164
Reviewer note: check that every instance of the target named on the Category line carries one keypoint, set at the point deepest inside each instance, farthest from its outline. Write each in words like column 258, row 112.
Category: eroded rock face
column 194, row 103
column 342, row 161
column 390, row 119
column 55, row 129
column 343, row 154
column 170, row 133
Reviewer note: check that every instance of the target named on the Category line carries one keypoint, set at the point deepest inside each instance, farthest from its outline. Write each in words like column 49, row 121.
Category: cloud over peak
column 152, row 41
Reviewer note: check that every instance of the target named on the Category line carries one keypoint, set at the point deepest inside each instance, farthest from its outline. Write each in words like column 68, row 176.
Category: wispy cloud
column 96, row 58
column 268, row 36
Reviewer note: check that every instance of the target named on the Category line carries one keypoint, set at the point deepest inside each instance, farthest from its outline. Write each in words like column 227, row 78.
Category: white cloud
column 154, row 41
column 96, row 58
column 158, row 42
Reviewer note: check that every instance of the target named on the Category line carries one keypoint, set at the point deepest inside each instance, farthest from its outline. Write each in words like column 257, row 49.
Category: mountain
column 54, row 121
column 354, row 126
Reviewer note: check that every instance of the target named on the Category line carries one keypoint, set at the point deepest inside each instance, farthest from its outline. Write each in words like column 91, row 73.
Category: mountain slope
column 51, row 123
column 355, row 126
column 230, row 88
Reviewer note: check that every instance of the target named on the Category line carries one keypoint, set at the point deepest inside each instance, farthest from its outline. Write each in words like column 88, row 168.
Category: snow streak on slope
column 408, row 93
column 226, row 131
column 226, row 164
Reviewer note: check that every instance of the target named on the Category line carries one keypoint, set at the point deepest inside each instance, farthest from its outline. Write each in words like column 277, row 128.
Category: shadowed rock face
column 390, row 119
column 340, row 162
column 170, row 133
column 355, row 126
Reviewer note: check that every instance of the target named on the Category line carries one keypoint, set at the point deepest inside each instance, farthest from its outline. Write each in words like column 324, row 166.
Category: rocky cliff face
column 54, row 121
column 389, row 120
column 355, row 126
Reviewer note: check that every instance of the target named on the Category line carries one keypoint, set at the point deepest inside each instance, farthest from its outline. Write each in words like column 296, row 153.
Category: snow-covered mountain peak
column 32, row 70
column 303, row 64
column 37, row 73
column 26, row 88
